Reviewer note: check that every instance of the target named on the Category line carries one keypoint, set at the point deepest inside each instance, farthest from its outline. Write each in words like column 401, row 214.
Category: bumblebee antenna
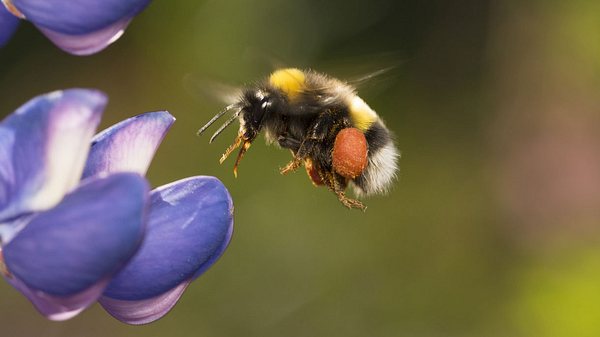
column 217, row 116
column 225, row 125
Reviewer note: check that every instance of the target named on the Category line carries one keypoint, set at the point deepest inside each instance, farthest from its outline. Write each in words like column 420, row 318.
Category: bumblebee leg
column 306, row 148
column 287, row 142
column 318, row 133
column 323, row 128
column 350, row 203
column 236, row 143
column 243, row 150
column 312, row 170
column 292, row 165
column 337, row 184
column 294, row 145
column 239, row 140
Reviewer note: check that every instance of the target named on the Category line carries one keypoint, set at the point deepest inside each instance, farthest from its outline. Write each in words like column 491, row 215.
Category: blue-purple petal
column 143, row 311
column 78, row 17
column 190, row 223
column 86, row 238
column 58, row 308
column 89, row 43
column 129, row 145
column 8, row 25
column 217, row 253
column 43, row 148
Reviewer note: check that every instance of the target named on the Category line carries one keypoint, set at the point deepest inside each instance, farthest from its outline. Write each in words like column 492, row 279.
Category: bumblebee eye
column 260, row 102
column 261, row 109
column 265, row 103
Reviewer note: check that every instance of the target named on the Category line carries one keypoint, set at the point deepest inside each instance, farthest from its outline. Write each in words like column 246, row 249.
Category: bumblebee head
column 250, row 110
column 256, row 104
column 283, row 85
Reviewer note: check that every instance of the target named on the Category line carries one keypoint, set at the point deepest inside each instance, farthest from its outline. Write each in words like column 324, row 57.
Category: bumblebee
column 329, row 129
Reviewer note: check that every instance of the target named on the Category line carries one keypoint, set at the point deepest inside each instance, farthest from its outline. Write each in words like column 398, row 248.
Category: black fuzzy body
column 314, row 118
column 307, row 124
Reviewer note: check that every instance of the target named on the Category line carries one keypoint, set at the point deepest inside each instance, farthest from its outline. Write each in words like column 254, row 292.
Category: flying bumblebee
column 338, row 138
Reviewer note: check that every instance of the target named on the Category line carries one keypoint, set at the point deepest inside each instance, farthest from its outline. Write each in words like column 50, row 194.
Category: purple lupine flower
column 80, row 27
column 60, row 244
column 8, row 25
column 190, row 223
column 107, row 236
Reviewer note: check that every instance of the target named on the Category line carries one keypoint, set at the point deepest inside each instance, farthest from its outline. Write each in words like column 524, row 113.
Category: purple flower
column 8, row 25
column 66, row 242
column 80, row 27
column 59, row 244
column 190, row 223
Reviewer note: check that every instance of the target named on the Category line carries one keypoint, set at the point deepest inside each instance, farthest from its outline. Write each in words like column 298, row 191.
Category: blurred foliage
column 447, row 253
column 560, row 295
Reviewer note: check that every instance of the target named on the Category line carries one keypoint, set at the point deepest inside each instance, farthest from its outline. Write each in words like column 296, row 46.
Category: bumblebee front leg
column 239, row 140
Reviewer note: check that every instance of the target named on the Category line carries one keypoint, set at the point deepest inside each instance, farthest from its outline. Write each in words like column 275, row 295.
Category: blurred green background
column 492, row 228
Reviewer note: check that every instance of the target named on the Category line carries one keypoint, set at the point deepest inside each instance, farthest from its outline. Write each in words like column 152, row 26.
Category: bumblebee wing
column 370, row 78
column 211, row 90
column 366, row 79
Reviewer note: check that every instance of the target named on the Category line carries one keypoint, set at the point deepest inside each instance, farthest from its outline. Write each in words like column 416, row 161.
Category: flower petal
column 190, row 225
column 60, row 308
column 43, row 147
column 128, row 145
column 149, row 310
column 144, row 311
column 90, row 43
column 78, row 17
column 8, row 25
column 189, row 221
column 64, row 257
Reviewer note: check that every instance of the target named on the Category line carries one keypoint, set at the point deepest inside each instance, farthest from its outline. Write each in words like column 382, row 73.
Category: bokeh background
column 493, row 228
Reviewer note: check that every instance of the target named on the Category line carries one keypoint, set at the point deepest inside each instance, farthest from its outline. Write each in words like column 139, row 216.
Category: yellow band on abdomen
column 362, row 115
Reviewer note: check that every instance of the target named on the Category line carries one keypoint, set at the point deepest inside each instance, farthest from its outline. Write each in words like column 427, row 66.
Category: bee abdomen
column 361, row 114
column 382, row 162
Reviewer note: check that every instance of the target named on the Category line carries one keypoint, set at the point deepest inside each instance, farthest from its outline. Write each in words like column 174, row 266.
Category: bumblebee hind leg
column 337, row 184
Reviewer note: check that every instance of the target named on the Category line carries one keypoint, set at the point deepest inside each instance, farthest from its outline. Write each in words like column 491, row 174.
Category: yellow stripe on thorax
column 290, row 81
column 361, row 114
